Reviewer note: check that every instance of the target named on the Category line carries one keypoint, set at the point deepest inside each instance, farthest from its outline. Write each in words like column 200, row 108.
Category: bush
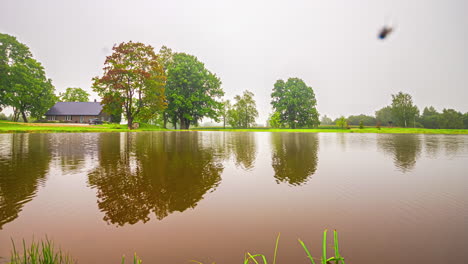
column 3, row 116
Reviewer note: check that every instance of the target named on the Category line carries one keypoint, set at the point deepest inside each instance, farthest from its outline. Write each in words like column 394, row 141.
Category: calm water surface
column 212, row 196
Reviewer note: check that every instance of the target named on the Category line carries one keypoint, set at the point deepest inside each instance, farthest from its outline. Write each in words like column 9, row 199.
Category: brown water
column 212, row 196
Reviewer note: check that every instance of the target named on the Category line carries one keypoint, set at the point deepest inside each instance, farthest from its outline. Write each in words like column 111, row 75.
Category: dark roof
column 75, row 108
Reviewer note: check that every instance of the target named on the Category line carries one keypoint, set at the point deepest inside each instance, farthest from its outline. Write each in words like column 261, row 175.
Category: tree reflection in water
column 24, row 162
column 405, row 149
column 160, row 173
column 294, row 156
column 243, row 147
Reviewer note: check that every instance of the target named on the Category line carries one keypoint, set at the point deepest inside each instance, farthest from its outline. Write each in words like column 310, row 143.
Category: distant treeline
column 403, row 113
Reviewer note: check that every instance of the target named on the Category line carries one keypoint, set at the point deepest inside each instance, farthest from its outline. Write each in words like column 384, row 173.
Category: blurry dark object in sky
column 384, row 32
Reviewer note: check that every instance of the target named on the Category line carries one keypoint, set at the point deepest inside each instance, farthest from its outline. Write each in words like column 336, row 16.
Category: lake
column 172, row 197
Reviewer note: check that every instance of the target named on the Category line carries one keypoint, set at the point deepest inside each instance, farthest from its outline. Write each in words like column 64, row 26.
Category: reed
column 42, row 252
column 262, row 259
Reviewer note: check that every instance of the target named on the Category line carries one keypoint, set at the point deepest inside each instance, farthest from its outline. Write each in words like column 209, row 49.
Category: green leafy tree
column 165, row 58
column 192, row 91
column 403, row 109
column 296, row 103
column 224, row 111
column 326, row 120
column 430, row 118
column 74, row 95
column 384, row 116
column 355, row 120
column 23, row 83
column 465, row 120
column 451, row 119
column 134, row 79
column 274, row 121
column 244, row 111
column 341, row 122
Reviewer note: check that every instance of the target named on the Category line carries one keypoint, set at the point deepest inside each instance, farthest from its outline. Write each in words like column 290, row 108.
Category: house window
column 81, row 119
column 68, row 118
column 51, row 118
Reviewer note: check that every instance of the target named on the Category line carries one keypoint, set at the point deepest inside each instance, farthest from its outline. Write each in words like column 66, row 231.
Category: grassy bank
column 16, row 127
column 383, row 130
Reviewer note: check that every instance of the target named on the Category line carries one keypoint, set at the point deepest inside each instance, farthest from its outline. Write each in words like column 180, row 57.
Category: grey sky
column 331, row 45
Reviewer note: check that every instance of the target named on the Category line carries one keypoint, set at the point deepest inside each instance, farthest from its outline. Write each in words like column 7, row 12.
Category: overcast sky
column 331, row 45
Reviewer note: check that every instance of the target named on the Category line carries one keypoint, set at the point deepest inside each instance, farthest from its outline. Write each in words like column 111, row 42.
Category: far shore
column 17, row 127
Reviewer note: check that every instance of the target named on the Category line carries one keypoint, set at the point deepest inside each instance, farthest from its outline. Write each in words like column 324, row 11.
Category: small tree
column 244, row 111
column 326, row 120
column 361, row 124
column 341, row 122
column 74, row 95
column 224, row 111
column 403, row 109
column 275, row 120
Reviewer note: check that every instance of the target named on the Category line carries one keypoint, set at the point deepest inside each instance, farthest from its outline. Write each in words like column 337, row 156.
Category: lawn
column 328, row 129
column 14, row 127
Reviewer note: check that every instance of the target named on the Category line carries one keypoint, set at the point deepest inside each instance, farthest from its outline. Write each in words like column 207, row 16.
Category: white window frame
column 52, row 118
column 68, row 118
column 81, row 119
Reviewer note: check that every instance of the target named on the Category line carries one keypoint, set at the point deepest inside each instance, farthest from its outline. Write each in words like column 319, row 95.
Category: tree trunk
column 164, row 121
column 129, row 122
column 184, row 123
column 25, row 119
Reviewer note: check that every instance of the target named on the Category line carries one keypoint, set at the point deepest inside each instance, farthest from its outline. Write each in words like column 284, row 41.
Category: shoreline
column 14, row 127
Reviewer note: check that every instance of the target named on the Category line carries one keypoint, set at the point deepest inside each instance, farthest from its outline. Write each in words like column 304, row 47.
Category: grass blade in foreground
column 39, row 253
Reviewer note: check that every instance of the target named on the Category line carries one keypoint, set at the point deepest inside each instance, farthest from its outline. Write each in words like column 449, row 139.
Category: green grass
column 16, row 127
column 331, row 129
column 44, row 252
column 262, row 258
column 39, row 253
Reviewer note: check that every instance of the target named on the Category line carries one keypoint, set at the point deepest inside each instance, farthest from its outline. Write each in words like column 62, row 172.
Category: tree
column 384, row 116
column 74, row 95
column 244, row 111
column 341, row 122
column 451, row 119
column 134, row 79
column 295, row 101
column 355, row 120
column 23, row 83
column 274, row 120
column 192, row 91
column 226, row 106
column 403, row 109
column 430, row 118
column 166, row 58
column 294, row 157
column 465, row 120
column 326, row 120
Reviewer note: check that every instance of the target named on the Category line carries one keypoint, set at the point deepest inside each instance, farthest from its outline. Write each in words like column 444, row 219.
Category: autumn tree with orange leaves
column 133, row 82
